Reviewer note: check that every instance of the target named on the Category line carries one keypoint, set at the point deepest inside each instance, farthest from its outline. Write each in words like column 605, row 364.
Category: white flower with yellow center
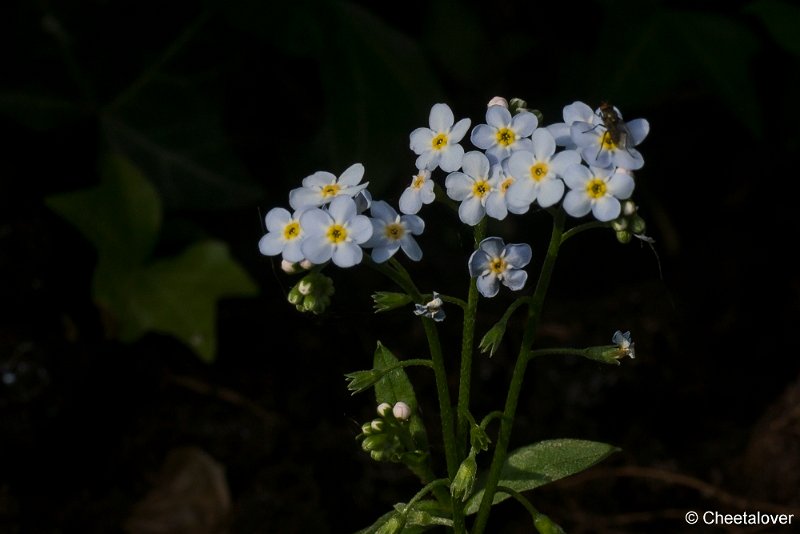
column 284, row 235
column 577, row 111
column 418, row 193
column 438, row 145
column 391, row 232
column 539, row 172
column 624, row 343
column 502, row 134
column 596, row 190
column 472, row 187
column 494, row 262
column 322, row 187
column 335, row 233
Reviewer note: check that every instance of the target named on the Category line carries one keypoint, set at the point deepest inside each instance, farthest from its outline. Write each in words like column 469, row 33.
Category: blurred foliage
column 176, row 295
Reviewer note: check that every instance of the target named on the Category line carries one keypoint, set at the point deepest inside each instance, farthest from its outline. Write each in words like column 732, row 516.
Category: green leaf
column 121, row 217
column 544, row 462
column 176, row 296
column 782, row 21
column 395, row 386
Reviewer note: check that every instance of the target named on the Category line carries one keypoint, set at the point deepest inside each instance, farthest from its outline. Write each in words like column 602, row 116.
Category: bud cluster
column 387, row 438
column 312, row 293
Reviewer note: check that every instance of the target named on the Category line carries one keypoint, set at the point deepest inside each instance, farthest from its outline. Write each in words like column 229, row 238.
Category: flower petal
column 483, row 136
column 428, row 159
column 441, row 118
column 471, row 211
column 637, row 131
column 276, row 219
column 384, row 252
column 521, row 195
column 496, row 206
column 410, row 201
column 292, row 251
column 352, row 175
column 478, row 262
column 271, row 244
column 576, row 176
column 621, row 185
column 544, row 146
column 359, row 229
column 347, row 254
column 493, row 246
column 518, row 255
column 524, row 123
column 317, row 249
column 411, row 248
column 514, row 279
column 498, row 116
column 413, row 224
column 383, row 211
column 450, row 158
column 458, row 131
column 606, row 209
column 578, row 111
column 564, row 159
column 315, row 221
column 576, row 203
column 560, row 132
column 303, row 197
column 420, row 140
column 459, row 185
column 488, row 285
column 319, row 179
column 519, row 164
column 550, row 192
column 342, row 209
column 627, row 158
column 584, row 134
column 475, row 164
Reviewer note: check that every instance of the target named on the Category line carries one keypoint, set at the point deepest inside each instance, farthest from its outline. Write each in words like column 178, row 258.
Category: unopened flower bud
column 294, row 297
column 378, row 456
column 491, row 340
column 307, row 265
column 545, row 525
column 465, row 478
column 394, row 525
column 366, row 428
column 374, row 442
column 304, row 286
column 638, row 225
column 619, row 224
column 290, row 267
column 498, row 101
column 387, row 300
column 624, row 237
column 628, row 208
column 478, row 438
column 384, row 408
column 401, row 411
column 376, row 425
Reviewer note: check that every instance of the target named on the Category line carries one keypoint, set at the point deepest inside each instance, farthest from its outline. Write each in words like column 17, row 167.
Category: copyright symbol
column 691, row 517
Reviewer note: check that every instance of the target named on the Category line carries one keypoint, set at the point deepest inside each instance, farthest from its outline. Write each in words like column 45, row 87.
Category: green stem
column 453, row 300
column 572, row 232
column 497, row 414
column 467, row 346
column 555, row 352
column 424, row 491
column 506, row 423
column 400, row 276
column 522, row 500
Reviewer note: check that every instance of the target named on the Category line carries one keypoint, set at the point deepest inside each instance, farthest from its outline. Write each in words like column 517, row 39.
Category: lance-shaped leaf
column 541, row 463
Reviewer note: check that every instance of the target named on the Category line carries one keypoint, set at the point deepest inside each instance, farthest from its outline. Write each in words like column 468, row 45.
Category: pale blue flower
column 392, row 232
column 472, row 187
column 438, row 145
column 577, row 111
column 418, row 193
column 599, row 148
column 432, row 309
column 597, row 190
column 503, row 134
column 322, row 187
column 538, row 173
column 495, row 262
column 624, row 344
column 284, row 235
column 335, row 233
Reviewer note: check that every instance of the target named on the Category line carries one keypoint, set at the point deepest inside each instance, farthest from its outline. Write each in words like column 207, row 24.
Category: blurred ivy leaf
column 178, row 295
column 541, row 463
column 781, row 19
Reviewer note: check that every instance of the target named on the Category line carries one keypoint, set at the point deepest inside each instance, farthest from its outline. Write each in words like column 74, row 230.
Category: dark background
column 225, row 106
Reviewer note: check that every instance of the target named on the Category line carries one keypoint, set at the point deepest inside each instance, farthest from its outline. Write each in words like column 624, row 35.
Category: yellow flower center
column 291, row 231
column 336, row 233
column 439, row 142
column 506, row 184
column 607, row 143
column 394, row 231
column 497, row 265
column 330, row 190
column 505, row 136
column 538, row 171
column 596, row 188
column 419, row 181
column 481, row 188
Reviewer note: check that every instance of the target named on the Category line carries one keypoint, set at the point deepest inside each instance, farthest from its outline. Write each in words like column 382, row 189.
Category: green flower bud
column 386, row 300
column 394, row 525
column 545, row 525
column 374, row 442
column 376, row 425
column 461, row 488
column 359, row 381
column 478, row 438
column 491, row 340
column 638, row 225
column 628, row 208
column 378, row 456
column 624, row 237
column 295, row 297
column 384, row 409
column 620, row 224
column 366, row 429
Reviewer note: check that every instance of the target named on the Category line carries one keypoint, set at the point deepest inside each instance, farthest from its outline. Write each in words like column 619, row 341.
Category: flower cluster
column 585, row 164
